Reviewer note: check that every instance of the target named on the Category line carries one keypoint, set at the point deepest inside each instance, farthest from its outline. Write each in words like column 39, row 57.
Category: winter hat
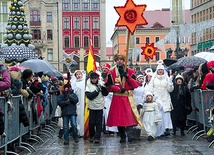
column 160, row 65
column 17, row 84
column 140, row 76
column 179, row 77
column 148, row 93
column 148, row 70
column 94, row 75
column 119, row 56
column 106, row 65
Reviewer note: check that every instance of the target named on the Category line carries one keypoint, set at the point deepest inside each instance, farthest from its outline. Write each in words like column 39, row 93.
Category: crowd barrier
column 201, row 100
column 14, row 130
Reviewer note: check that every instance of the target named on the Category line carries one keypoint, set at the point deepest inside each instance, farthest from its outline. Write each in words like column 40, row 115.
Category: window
column 66, row 22
column 66, row 5
column 76, row 23
column 85, row 23
column 85, row 5
column 157, row 57
column 86, row 41
column 96, row 41
column 35, row 16
column 76, row 5
column 95, row 23
column 49, row 35
column 49, row 16
column 50, row 54
column 4, row 7
column 148, row 40
column 76, row 42
column 66, row 42
column 95, row 5
column 137, row 40
column 157, row 39
column 36, row 34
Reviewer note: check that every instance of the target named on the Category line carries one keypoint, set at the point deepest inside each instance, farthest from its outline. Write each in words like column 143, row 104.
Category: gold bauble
column 10, row 7
column 22, row 8
column 15, row 1
column 13, row 8
column 68, row 60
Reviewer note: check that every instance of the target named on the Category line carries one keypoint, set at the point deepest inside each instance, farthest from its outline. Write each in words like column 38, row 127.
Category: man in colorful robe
column 123, row 112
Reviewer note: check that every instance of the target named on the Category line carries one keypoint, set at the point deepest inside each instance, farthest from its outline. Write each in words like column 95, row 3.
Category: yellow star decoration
column 149, row 50
column 131, row 15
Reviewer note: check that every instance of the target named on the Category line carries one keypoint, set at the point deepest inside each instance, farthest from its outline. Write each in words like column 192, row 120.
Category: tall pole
column 177, row 44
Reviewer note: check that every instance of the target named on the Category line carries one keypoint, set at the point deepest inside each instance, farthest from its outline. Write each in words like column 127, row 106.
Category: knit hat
column 148, row 93
column 94, row 75
column 179, row 77
column 106, row 65
column 140, row 76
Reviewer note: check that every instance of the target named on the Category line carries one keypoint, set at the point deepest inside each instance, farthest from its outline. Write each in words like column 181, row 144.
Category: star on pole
column 131, row 15
column 68, row 59
column 149, row 50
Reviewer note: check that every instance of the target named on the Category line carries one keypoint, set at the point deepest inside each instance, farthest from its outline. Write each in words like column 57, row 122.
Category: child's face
column 79, row 75
column 140, row 79
column 149, row 98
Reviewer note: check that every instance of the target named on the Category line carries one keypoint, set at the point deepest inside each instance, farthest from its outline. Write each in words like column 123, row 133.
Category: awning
column 212, row 48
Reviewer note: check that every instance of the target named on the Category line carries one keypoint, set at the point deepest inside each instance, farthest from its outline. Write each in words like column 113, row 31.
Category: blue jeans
column 73, row 121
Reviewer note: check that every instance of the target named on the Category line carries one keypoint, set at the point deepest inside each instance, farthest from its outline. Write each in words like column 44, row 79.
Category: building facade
column 201, row 11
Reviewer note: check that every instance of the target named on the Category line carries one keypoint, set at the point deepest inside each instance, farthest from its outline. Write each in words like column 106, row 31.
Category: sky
column 112, row 16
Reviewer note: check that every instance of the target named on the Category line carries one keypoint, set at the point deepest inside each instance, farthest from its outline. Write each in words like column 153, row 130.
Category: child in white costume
column 150, row 116
column 78, row 85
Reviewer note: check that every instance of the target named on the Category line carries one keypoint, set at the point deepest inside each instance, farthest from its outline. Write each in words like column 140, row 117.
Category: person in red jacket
column 121, row 113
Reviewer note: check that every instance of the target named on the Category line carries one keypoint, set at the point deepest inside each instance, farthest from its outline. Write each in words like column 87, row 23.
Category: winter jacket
column 68, row 103
column 95, row 93
column 5, row 82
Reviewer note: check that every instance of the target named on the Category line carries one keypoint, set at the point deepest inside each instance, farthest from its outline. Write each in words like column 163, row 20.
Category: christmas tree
column 17, row 46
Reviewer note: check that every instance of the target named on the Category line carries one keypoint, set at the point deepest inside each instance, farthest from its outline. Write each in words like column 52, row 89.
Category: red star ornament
column 131, row 15
column 149, row 50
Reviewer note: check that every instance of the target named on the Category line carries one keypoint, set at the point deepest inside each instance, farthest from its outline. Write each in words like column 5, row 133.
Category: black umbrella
column 169, row 61
column 38, row 65
column 175, row 67
column 191, row 61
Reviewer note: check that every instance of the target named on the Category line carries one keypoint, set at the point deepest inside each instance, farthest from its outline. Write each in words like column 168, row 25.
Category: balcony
column 38, row 43
column 33, row 23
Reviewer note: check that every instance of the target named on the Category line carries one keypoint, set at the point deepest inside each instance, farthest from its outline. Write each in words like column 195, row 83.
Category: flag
column 91, row 66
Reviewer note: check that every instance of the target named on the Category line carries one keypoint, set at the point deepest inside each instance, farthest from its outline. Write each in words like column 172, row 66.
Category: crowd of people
column 120, row 100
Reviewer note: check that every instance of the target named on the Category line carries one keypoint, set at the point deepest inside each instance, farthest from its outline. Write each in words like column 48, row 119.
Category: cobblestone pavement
column 171, row 145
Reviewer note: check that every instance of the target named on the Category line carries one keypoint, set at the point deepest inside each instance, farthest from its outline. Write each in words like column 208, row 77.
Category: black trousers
column 95, row 123
column 126, row 130
column 178, row 123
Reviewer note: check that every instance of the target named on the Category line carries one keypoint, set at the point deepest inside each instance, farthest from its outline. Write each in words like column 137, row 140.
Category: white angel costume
column 78, row 85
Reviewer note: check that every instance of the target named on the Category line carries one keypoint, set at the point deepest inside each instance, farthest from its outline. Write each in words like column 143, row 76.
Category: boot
column 166, row 133
column 174, row 131
column 182, row 133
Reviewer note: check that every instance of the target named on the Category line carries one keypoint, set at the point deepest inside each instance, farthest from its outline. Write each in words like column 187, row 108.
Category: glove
column 99, row 87
column 122, row 90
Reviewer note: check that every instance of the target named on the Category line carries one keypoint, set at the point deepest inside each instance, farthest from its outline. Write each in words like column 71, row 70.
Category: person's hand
column 99, row 87
column 122, row 90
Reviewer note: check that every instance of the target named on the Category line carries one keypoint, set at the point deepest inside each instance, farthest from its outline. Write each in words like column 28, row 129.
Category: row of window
column 35, row 17
column 4, row 8
column 77, row 43
column 137, row 40
column 81, row 5
column 77, row 23
column 36, row 35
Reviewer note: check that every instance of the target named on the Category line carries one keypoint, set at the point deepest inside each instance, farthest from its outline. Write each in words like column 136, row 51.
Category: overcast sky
column 112, row 16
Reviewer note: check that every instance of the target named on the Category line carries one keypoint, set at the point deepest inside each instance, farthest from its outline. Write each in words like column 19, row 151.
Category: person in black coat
column 67, row 101
column 180, row 98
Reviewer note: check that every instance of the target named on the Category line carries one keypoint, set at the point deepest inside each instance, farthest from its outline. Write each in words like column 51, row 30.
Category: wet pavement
column 171, row 145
